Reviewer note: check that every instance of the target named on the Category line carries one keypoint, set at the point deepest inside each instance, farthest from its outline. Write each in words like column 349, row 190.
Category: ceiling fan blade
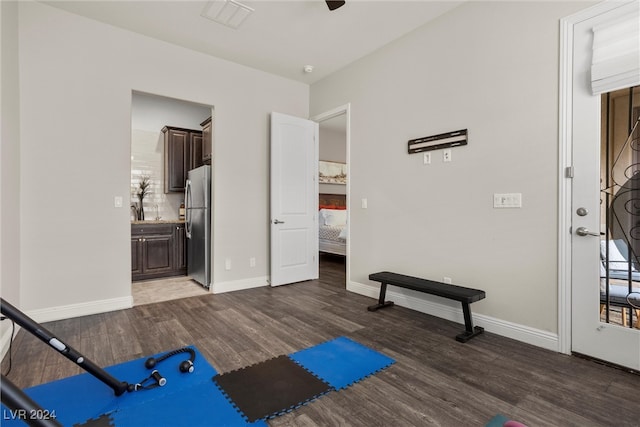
column 333, row 5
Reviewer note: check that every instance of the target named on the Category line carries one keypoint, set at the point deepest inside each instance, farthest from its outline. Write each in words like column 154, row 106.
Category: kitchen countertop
column 159, row 221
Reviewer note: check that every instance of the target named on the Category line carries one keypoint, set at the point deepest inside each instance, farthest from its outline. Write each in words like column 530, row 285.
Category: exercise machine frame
column 21, row 404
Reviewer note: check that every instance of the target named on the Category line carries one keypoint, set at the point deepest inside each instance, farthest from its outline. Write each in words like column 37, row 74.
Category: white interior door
column 294, row 199
column 590, row 335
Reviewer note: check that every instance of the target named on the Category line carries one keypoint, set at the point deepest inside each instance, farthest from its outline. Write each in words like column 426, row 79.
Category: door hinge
column 568, row 172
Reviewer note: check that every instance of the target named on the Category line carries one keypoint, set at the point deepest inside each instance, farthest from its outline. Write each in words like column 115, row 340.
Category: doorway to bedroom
column 333, row 214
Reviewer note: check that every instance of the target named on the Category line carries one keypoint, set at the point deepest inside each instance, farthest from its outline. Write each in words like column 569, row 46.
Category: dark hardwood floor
column 436, row 381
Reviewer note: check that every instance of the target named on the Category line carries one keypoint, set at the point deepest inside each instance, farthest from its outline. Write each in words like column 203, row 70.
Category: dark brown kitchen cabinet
column 136, row 255
column 207, row 149
column 182, row 152
column 176, row 146
column 181, row 248
column 195, row 150
column 156, row 251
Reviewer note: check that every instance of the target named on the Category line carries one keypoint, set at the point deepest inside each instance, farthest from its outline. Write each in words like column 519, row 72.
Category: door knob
column 277, row 221
column 584, row 231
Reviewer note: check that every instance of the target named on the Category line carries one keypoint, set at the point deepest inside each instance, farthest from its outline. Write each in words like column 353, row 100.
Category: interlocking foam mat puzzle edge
column 338, row 363
column 270, row 388
column 341, row 362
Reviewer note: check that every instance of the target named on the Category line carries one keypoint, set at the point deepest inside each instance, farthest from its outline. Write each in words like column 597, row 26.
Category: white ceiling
column 280, row 37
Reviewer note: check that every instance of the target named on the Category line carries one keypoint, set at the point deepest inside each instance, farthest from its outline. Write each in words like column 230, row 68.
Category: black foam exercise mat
column 270, row 388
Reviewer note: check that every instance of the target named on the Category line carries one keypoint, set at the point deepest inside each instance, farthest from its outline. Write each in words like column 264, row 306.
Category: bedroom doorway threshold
column 333, row 270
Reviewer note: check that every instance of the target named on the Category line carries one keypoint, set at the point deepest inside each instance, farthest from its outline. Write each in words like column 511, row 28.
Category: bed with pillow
column 332, row 224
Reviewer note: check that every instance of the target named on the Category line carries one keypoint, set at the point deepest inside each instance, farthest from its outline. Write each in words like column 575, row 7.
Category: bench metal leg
column 381, row 302
column 470, row 330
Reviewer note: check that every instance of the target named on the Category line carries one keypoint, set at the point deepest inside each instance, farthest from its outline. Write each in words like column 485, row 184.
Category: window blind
column 616, row 54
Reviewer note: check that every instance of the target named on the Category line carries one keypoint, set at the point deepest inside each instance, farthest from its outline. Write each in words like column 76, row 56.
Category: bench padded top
column 618, row 295
column 458, row 293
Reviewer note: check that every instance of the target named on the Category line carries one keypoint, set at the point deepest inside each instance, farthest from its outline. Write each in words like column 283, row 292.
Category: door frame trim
column 334, row 112
column 565, row 149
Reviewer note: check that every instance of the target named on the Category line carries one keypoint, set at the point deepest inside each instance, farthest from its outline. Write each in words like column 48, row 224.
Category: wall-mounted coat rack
column 437, row 142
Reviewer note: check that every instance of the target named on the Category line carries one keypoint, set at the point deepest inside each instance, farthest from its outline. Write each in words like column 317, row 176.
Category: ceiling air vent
column 227, row 12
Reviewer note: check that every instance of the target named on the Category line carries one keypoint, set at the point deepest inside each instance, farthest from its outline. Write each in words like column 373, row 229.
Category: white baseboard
column 453, row 312
column 238, row 285
column 82, row 309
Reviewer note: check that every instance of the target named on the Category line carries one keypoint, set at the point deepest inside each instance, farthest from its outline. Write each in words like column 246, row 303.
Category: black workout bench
column 465, row 295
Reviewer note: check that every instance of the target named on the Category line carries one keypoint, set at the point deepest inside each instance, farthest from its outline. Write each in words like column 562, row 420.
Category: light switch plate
column 507, row 200
column 117, row 202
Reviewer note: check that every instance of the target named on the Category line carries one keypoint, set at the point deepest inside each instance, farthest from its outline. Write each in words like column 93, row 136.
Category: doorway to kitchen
column 333, row 215
column 169, row 138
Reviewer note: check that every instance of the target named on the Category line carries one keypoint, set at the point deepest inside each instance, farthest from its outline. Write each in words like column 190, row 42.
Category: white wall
column 333, row 143
column 491, row 68
column 76, row 80
column 152, row 112
column 9, row 162
column 333, row 148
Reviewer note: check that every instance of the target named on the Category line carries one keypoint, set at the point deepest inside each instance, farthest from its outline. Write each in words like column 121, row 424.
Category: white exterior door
column 294, row 199
column 589, row 334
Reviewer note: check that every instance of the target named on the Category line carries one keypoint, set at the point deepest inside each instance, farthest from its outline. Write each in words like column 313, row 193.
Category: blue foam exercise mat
column 186, row 399
column 341, row 362
column 192, row 399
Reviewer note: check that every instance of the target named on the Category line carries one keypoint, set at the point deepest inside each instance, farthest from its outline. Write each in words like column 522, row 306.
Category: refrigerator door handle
column 187, row 200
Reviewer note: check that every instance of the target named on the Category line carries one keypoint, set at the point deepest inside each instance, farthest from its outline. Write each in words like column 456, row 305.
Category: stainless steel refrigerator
column 198, row 224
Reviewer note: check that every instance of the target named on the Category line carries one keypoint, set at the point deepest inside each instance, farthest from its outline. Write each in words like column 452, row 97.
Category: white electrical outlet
column 227, row 264
column 446, row 155
column 364, row 203
column 447, row 280
column 252, row 262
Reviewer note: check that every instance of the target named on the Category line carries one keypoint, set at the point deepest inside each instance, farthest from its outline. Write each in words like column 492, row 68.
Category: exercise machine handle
column 44, row 335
